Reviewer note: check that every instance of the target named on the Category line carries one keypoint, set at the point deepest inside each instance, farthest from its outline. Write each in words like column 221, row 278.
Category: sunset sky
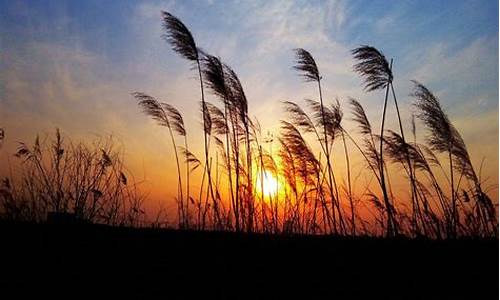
column 73, row 65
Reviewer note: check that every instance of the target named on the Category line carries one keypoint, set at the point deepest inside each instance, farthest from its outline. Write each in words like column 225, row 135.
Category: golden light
column 269, row 184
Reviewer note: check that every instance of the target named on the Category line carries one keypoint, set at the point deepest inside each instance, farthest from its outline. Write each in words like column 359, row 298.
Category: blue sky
column 73, row 64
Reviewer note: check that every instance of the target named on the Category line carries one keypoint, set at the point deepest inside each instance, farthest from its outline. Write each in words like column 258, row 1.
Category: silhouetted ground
column 105, row 262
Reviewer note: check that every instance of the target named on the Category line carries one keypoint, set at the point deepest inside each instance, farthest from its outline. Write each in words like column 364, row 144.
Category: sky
column 73, row 64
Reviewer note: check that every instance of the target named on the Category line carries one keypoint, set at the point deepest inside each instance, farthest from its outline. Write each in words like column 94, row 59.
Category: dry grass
column 91, row 181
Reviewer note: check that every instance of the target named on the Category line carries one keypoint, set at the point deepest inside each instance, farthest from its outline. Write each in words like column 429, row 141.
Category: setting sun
column 269, row 185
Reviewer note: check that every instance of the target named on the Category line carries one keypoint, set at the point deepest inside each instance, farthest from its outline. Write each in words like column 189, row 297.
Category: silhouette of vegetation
column 377, row 73
column 182, row 42
column 84, row 183
column 91, row 183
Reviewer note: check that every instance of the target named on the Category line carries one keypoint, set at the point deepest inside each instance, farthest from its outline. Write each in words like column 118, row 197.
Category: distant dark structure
column 64, row 218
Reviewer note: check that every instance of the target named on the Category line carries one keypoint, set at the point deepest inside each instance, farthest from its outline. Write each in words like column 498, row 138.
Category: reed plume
column 373, row 67
column 370, row 152
column 377, row 74
column 167, row 116
column 306, row 65
column 308, row 69
column 304, row 167
column 179, row 37
column 411, row 158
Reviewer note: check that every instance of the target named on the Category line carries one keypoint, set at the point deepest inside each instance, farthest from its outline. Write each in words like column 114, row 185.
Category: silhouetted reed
column 182, row 42
column 377, row 73
column 168, row 116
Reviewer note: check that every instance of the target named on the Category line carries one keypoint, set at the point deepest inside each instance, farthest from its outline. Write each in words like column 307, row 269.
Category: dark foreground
column 103, row 262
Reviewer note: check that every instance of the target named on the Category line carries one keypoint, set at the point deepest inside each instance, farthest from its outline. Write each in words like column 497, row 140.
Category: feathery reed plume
column 409, row 157
column 422, row 158
column 395, row 148
column 179, row 37
column 337, row 116
column 360, row 117
column 175, row 119
column 331, row 120
column 441, row 137
column 153, row 108
column 299, row 117
column 308, row 69
column 370, row 153
column 190, row 158
column 306, row 65
column 373, row 66
column 237, row 92
column 177, row 123
column 161, row 113
column 377, row 73
column 214, row 75
column 305, row 170
column 297, row 145
column 217, row 119
column 486, row 212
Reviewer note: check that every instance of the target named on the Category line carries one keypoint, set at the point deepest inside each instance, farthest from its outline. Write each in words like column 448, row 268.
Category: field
column 95, row 261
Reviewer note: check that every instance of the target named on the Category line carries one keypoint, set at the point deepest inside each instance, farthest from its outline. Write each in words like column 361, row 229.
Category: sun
column 269, row 184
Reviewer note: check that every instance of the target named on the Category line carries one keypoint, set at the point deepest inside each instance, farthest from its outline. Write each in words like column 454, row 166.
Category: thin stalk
column 181, row 200
column 349, row 188
column 391, row 230
column 327, row 154
column 205, row 134
column 453, row 199
column 187, row 181
column 415, row 204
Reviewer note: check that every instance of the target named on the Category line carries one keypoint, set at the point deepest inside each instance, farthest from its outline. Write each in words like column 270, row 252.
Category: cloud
column 465, row 79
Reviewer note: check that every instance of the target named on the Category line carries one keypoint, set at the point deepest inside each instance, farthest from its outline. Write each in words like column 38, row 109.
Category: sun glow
column 269, row 184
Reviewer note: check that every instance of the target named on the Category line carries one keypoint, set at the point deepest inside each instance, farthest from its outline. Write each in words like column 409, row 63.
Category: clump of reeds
column 308, row 69
column 444, row 138
column 89, row 182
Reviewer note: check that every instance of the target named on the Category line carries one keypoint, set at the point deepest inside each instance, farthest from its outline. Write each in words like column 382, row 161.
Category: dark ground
column 103, row 262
